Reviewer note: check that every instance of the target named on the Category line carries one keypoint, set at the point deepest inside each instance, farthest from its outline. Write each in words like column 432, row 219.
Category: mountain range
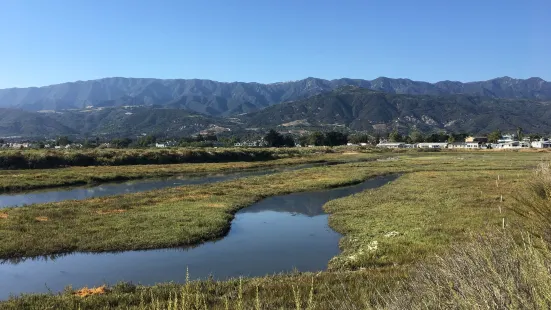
column 225, row 99
column 361, row 109
column 130, row 107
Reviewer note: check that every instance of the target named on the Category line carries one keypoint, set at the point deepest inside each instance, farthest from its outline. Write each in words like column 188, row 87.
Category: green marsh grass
column 432, row 239
column 31, row 179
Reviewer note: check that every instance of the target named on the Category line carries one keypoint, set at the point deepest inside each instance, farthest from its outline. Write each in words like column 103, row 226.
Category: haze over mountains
column 128, row 106
column 223, row 99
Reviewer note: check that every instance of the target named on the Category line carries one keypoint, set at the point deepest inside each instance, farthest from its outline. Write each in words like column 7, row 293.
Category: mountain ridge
column 348, row 108
column 231, row 98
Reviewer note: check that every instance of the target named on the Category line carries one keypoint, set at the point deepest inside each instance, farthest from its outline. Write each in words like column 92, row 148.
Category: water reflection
column 110, row 189
column 277, row 234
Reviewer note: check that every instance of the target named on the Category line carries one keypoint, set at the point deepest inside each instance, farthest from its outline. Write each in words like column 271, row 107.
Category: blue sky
column 47, row 42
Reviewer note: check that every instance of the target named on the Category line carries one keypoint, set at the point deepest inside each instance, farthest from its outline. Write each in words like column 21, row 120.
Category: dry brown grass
column 3, row 216
column 104, row 212
column 85, row 292
column 492, row 272
column 41, row 218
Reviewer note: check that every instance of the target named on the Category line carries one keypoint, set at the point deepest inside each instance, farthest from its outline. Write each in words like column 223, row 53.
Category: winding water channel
column 117, row 188
column 277, row 234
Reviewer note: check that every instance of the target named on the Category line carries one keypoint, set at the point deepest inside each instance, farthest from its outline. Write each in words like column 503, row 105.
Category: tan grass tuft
column 3, row 215
column 41, row 218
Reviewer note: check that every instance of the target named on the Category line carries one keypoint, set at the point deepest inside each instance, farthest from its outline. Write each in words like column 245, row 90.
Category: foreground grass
column 325, row 290
column 30, row 179
column 392, row 236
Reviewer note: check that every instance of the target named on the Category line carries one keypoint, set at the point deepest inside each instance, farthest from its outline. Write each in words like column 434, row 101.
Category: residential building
column 392, row 145
column 541, row 144
column 506, row 139
column 515, row 145
column 476, row 139
column 432, row 145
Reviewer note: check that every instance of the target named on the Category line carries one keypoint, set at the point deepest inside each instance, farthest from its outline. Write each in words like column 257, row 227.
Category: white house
column 432, row 145
column 506, row 139
column 541, row 144
column 515, row 145
column 160, row 145
column 392, row 145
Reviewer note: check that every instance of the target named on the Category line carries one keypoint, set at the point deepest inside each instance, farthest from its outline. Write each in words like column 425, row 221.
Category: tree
column 494, row 136
column 146, row 141
column 356, row 139
column 304, row 140
column 334, row 138
column 519, row 133
column 62, row 141
column 121, row 143
column 416, row 137
column 288, row 141
column 316, row 138
column 394, row 136
column 377, row 138
column 274, row 138
column 535, row 137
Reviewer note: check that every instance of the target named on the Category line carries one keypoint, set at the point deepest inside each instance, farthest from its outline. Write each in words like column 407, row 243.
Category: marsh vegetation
column 462, row 227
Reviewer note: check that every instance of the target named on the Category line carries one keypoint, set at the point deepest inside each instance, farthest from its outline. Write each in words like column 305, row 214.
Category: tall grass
column 534, row 203
column 492, row 272
column 498, row 270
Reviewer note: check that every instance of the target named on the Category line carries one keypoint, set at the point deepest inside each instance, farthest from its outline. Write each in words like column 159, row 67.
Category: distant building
column 467, row 145
column 515, row 145
column 541, row 144
column 432, row 145
column 506, row 139
column 476, row 139
column 257, row 143
column 392, row 145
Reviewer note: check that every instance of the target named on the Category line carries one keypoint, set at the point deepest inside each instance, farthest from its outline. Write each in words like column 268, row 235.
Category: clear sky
column 45, row 42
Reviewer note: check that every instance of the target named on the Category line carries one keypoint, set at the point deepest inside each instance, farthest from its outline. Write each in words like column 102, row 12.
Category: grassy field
column 419, row 233
column 31, row 179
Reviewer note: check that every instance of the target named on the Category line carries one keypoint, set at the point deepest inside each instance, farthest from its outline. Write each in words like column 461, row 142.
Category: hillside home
column 392, row 145
column 432, row 145
column 541, row 144
column 506, row 139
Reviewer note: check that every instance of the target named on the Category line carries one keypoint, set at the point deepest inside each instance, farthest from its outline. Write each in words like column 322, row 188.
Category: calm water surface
column 109, row 189
column 277, row 234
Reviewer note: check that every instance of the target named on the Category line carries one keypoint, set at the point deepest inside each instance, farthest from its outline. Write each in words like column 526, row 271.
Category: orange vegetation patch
column 3, row 215
column 102, row 212
column 41, row 218
column 83, row 292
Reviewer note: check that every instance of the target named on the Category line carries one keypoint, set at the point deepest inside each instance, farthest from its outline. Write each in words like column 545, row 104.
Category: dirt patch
column 83, row 292
column 3, row 215
column 350, row 153
column 103, row 212
column 42, row 218
column 216, row 205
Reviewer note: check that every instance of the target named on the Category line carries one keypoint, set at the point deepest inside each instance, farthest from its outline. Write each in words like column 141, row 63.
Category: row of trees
column 331, row 138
